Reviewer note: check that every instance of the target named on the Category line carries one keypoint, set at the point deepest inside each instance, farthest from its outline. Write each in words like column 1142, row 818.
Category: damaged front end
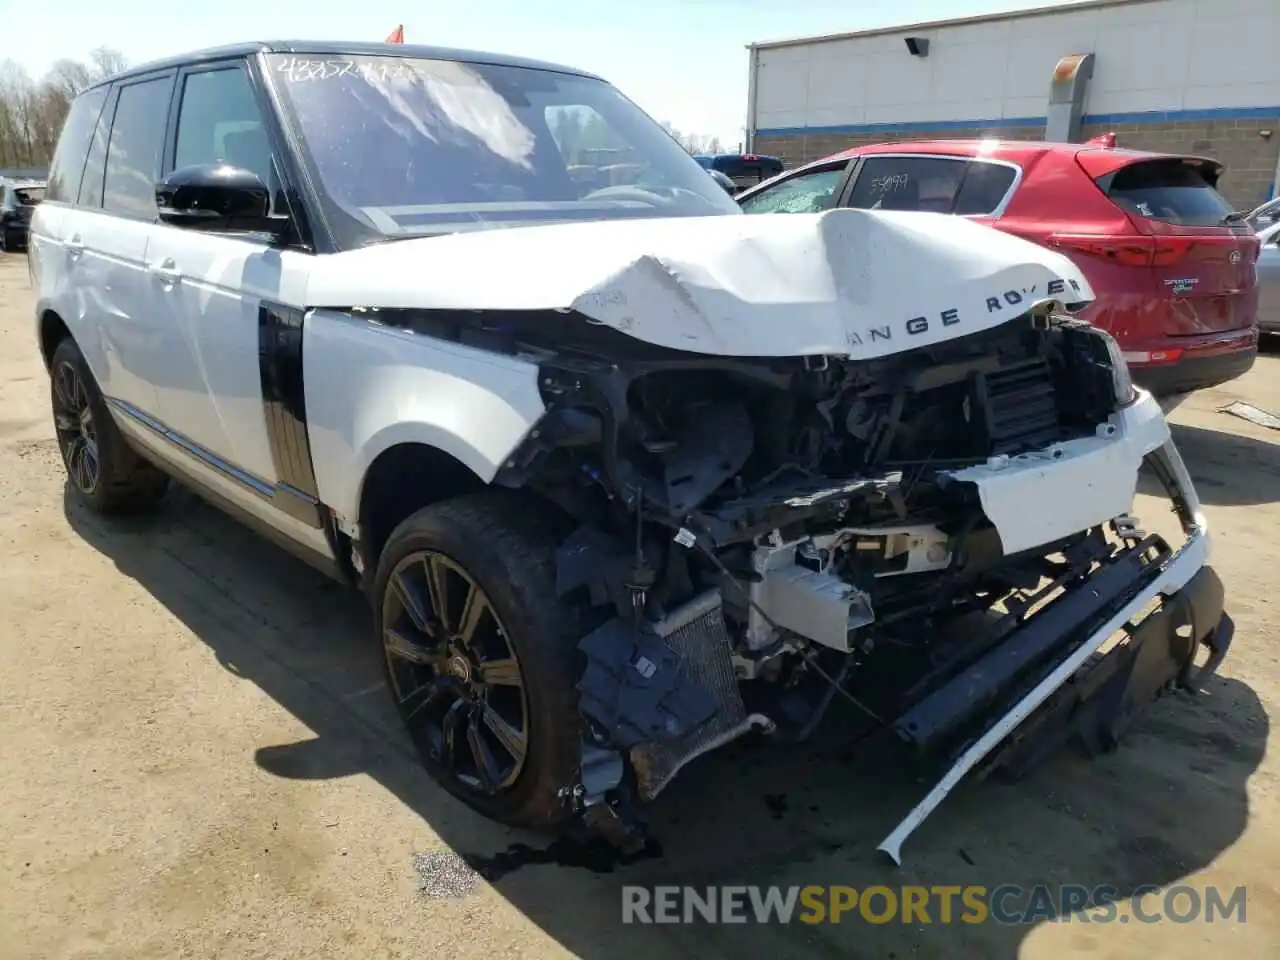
column 940, row 537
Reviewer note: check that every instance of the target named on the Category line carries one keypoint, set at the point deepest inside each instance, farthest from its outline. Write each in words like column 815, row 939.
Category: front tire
column 481, row 656
column 105, row 472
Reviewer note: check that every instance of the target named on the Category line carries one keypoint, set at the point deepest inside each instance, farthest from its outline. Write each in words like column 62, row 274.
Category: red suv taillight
column 1126, row 251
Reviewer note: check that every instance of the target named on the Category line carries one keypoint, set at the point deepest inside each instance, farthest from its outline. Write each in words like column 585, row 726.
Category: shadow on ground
column 1229, row 469
column 744, row 815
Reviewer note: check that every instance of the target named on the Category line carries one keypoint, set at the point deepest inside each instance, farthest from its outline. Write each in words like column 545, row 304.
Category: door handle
column 166, row 272
column 75, row 247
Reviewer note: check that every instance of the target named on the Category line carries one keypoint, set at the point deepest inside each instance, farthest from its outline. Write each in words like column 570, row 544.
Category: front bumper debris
column 1103, row 699
column 1088, row 480
column 1108, row 690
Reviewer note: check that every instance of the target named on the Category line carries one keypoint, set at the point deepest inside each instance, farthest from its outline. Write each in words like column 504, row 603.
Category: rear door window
column 932, row 184
column 133, row 152
column 1171, row 191
column 983, row 189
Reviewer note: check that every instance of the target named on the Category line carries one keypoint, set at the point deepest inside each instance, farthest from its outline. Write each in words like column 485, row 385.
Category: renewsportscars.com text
column 1007, row 904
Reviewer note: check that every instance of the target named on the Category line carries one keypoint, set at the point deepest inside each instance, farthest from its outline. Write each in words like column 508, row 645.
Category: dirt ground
column 197, row 759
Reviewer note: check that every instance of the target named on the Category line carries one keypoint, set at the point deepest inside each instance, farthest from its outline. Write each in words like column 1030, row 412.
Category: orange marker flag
column 396, row 35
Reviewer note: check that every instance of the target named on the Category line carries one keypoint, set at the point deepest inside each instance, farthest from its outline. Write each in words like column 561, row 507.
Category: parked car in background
column 1264, row 216
column 744, row 169
column 1269, row 279
column 1172, row 265
column 18, row 198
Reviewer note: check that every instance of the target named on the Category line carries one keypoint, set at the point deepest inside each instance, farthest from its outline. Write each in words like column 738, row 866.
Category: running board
column 1178, row 571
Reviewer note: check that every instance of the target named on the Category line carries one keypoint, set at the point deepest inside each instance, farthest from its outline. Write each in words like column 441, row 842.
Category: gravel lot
column 197, row 759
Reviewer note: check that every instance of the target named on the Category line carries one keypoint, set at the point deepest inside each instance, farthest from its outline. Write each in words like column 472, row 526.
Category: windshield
column 403, row 147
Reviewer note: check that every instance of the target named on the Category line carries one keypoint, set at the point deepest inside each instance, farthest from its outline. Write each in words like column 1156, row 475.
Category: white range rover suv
column 623, row 472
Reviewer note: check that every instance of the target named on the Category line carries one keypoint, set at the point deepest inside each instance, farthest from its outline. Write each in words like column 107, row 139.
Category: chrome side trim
column 291, row 500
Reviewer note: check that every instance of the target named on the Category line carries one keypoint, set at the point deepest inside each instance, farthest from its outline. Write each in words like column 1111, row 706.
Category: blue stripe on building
column 1102, row 119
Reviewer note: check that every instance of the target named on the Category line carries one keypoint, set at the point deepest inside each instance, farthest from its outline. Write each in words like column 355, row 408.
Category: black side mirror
column 218, row 198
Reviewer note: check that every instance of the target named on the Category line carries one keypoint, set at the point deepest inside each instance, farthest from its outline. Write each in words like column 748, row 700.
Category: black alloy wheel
column 76, row 431
column 455, row 674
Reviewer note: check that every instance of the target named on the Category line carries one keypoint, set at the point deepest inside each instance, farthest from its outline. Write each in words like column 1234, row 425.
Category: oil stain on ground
column 444, row 874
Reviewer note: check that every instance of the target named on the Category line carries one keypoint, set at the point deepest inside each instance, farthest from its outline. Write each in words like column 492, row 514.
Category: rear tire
column 488, row 699
column 105, row 472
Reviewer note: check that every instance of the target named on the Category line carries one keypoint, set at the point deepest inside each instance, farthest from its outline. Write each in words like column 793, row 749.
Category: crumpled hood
column 852, row 283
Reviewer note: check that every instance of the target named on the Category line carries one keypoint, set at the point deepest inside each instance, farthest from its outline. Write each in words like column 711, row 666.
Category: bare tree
column 16, row 100
column 68, row 77
column 32, row 112
column 106, row 62
column 694, row 143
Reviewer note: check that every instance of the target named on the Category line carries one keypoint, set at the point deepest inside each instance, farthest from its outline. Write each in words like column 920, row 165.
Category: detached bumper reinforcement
column 1183, row 569
column 1100, row 702
column 1038, row 644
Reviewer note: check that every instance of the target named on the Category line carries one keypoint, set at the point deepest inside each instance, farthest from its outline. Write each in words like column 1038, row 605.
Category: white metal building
column 1194, row 76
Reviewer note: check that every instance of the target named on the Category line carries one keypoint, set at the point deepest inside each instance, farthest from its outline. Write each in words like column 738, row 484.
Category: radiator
column 697, row 633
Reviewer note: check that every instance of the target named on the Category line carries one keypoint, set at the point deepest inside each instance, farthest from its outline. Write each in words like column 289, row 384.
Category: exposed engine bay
column 759, row 537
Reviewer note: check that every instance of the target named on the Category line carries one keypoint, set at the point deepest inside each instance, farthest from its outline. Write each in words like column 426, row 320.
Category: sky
column 683, row 62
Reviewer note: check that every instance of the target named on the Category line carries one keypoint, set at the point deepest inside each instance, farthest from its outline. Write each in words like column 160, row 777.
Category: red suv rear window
column 1170, row 190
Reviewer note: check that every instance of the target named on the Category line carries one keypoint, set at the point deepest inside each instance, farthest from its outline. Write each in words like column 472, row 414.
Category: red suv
column 1172, row 266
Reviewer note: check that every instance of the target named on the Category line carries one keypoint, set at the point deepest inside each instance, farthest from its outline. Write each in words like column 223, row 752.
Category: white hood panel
column 856, row 283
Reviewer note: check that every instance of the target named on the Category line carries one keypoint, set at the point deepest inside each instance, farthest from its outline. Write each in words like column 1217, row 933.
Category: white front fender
column 369, row 387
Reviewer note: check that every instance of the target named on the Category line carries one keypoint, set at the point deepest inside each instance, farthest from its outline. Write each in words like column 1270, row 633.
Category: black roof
column 331, row 48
